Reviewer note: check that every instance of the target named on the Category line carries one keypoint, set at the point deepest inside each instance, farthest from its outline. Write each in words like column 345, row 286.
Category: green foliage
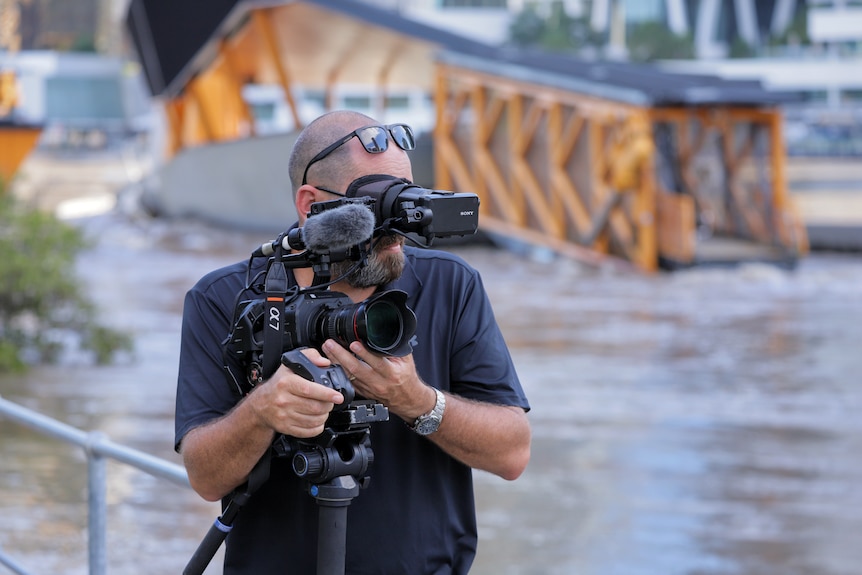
column 739, row 48
column 558, row 32
column 653, row 41
column 42, row 304
column 527, row 27
column 83, row 43
column 558, row 35
column 797, row 33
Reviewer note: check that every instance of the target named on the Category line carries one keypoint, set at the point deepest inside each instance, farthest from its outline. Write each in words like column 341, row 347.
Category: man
column 418, row 514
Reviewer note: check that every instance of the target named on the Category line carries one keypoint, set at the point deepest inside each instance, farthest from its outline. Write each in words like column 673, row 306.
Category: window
column 644, row 11
column 263, row 111
column 357, row 102
column 397, row 102
column 84, row 98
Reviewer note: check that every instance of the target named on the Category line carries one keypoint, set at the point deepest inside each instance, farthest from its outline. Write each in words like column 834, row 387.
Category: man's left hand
column 393, row 381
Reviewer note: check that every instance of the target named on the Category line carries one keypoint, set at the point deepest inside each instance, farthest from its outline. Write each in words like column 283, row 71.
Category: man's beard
column 379, row 269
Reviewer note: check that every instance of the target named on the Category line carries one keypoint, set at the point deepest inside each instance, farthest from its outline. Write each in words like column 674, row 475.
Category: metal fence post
column 98, row 448
column 97, row 505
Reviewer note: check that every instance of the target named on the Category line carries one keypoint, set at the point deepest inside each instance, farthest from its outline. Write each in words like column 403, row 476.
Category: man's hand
column 494, row 438
column 220, row 454
column 392, row 381
column 293, row 405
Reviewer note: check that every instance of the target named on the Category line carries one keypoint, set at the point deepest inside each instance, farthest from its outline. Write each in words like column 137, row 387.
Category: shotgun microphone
column 338, row 229
column 331, row 230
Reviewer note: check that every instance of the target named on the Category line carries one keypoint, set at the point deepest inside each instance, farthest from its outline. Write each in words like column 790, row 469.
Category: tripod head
column 344, row 447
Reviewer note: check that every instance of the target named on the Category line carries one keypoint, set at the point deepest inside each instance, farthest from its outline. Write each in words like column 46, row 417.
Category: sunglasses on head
column 375, row 140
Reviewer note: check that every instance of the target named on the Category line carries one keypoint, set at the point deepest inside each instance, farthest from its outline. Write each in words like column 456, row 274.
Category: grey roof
column 644, row 83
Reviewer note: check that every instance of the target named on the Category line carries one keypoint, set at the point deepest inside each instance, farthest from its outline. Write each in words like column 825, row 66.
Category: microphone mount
column 334, row 231
column 319, row 262
column 289, row 240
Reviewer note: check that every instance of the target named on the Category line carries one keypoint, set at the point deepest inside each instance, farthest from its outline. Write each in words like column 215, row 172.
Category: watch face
column 428, row 423
column 428, row 426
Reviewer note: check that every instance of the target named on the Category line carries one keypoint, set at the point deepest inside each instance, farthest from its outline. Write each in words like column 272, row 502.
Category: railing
column 97, row 447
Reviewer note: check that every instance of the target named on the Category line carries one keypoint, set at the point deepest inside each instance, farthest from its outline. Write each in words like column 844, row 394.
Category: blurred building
column 83, row 100
column 71, row 74
column 811, row 48
column 480, row 20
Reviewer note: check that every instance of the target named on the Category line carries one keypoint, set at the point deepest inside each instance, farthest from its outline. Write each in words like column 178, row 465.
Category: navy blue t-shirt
column 418, row 513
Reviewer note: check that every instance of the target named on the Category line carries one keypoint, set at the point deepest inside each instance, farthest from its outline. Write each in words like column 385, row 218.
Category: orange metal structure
column 564, row 168
column 17, row 140
column 549, row 164
column 731, row 165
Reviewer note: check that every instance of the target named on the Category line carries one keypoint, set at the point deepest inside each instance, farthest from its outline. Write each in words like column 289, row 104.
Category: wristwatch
column 428, row 423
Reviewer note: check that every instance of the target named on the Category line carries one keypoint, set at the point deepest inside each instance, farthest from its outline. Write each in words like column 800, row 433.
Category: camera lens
column 382, row 323
column 383, row 326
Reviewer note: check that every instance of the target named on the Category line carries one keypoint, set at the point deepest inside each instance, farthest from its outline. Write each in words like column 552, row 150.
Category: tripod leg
column 207, row 548
column 333, row 499
column 222, row 526
column 333, row 530
column 215, row 536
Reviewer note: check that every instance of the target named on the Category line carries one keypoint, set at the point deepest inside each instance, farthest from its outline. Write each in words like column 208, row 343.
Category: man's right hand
column 220, row 454
column 292, row 405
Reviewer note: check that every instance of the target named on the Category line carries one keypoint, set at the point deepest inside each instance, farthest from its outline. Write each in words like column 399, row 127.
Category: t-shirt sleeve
column 481, row 366
column 203, row 389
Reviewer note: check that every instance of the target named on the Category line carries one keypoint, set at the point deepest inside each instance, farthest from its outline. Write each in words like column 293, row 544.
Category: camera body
column 401, row 205
column 383, row 323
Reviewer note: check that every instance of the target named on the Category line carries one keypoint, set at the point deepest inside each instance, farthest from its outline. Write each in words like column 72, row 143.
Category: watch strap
column 429, row 422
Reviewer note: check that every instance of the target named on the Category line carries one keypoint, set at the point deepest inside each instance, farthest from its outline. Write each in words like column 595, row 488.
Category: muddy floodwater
column 707, row 421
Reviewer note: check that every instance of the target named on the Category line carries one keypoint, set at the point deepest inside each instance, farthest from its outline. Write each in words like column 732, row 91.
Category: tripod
column 334, row 477
column 334, row 464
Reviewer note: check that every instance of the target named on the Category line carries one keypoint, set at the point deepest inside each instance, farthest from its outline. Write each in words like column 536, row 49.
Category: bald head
column 345, row 163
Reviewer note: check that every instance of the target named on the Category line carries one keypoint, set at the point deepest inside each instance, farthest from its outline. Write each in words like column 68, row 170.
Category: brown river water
column 701, row 422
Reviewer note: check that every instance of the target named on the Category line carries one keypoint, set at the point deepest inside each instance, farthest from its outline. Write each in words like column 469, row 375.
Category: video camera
column 334, row 231
column 401, row 206
column 383, row 323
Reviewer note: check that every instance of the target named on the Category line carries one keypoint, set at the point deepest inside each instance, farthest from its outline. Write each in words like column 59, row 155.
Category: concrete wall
column 242, row 184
